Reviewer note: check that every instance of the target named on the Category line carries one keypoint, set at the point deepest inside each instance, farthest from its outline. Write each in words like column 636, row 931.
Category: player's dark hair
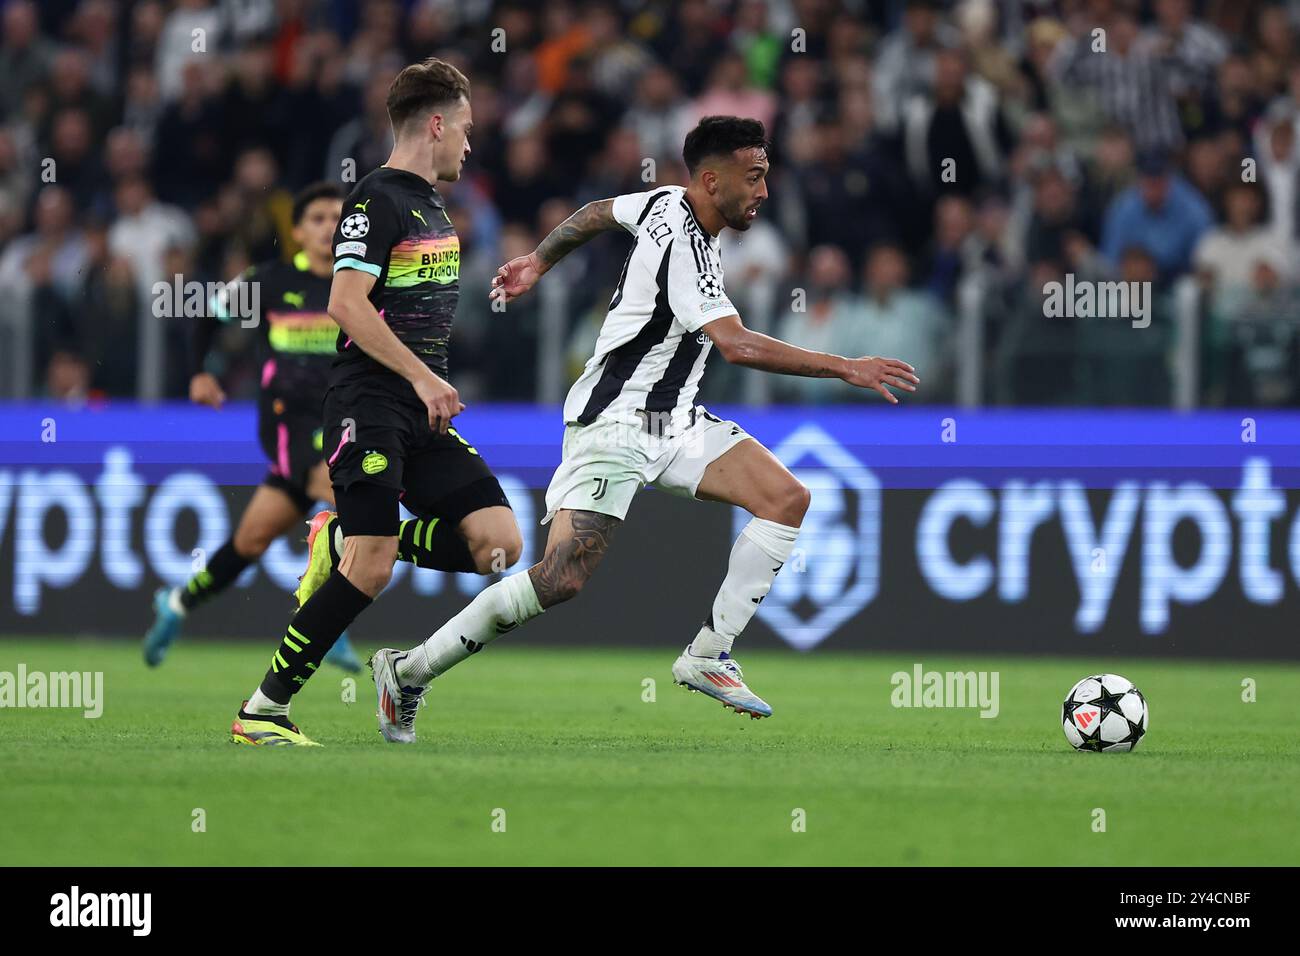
column 424, row 86
column 309, row 194
column 722, row 136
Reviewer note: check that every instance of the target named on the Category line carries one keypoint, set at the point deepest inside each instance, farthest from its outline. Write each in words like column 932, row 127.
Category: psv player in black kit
column 296, row 349
column 388, row 410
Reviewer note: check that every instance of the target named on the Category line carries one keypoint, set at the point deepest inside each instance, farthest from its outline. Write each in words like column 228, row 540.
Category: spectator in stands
column 70, row 88
column 905, row 63
column 822, row 322
column 692, row 39
column 143, row 231
column 1054, row 218
column 1118, row 363
column 87, row 339
column 364, row 142
column 1226, row 256
column 754, row 40
column 1161, row 214
column 526, row 181
column 1277, row 151
column 802, row 103
column 955, row 250
column 1259, row 335
column 1237, row 100
column 25, row 55
column 659, row 113
column 850, row 200
column 1191, row 50
column 1040, row 83
column 957, row 140
column 77, row 164
column 616, row 60
column 730, row 93
column 899, row 321
column 190, row 23
column 58, row 241
column 579, row 118
column 94, row 28
column 1130, row 83
column 1208, row 171
column 1109, row 171
column 124, row 154
column 1274, row 45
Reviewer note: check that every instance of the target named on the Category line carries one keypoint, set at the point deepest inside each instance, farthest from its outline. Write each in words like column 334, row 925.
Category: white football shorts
column 606, row 463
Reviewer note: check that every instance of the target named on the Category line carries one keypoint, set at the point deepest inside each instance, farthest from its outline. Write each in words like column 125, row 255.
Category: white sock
column 259, row 703
column 174, row 602
column 498, row 609
column 759, row 552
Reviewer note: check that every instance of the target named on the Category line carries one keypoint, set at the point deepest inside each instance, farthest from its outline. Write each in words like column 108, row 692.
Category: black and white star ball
column 355, row 226
column 1104, row 713
column 709, row 285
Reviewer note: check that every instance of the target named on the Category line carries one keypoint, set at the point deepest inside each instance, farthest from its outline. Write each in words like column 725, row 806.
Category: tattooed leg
column 578, row 540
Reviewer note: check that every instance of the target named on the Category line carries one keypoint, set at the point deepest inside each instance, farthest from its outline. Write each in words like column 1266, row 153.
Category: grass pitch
column 560, row 746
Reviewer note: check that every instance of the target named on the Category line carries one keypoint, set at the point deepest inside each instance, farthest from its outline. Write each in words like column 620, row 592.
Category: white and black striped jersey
column 651, row 351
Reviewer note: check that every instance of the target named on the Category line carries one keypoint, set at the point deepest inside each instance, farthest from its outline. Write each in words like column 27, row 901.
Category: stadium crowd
column 930, row 161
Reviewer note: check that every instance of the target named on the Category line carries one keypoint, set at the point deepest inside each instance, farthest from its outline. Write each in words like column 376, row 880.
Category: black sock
column 432, row 543
column 226, row 565
column 311, row 634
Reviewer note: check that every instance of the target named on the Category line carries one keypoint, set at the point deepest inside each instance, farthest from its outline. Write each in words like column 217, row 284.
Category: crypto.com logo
column 835, row 569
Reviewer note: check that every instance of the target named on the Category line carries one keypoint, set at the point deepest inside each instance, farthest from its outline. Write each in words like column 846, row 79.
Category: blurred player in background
column 297, row 345
column 389, row 406
column 631, row 420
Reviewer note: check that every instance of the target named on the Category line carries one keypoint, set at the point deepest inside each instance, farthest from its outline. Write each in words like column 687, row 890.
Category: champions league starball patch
column 709, row 285
column 355, row 226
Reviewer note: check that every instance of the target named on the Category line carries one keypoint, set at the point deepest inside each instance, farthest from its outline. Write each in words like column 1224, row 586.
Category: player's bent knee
column 797, row 501
column 786, row 504
column 494, row 553
column 250, row 545
column 370, row 578
column 369, row 566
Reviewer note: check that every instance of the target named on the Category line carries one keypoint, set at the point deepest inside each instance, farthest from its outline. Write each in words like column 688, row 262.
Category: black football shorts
column 293, row 441
column 382, row 451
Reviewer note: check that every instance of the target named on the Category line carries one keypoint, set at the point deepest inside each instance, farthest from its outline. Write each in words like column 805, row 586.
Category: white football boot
column 398, row 705
column 720, row 678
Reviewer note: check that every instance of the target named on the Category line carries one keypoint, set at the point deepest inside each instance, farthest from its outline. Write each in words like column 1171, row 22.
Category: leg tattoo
column 565, row 569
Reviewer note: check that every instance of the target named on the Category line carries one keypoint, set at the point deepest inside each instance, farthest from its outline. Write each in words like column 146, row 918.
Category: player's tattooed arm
column 585, row 224
column 742, row 346
column 520, row 274
column 572, row 555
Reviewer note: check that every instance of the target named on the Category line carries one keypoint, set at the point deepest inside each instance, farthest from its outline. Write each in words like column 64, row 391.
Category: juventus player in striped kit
column 631, row 421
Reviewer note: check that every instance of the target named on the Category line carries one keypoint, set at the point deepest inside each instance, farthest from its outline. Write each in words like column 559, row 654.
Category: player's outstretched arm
column 204, row 387
column 519, row 275
column 351, row 308
column 742, row 346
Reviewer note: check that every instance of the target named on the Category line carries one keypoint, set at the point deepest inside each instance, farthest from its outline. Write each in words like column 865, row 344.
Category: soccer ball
column 1104, row 713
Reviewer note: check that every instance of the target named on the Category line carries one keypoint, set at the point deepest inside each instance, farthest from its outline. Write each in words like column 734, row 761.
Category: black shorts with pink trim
column 293, row 442
column 382, row 452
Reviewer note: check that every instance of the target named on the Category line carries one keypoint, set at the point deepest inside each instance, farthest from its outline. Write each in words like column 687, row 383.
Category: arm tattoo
column 565, row 569
column 815, row 367
column 776, row 355
column 589, row 221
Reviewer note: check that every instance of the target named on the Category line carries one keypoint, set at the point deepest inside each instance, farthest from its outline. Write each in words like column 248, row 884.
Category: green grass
column 588, row 773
